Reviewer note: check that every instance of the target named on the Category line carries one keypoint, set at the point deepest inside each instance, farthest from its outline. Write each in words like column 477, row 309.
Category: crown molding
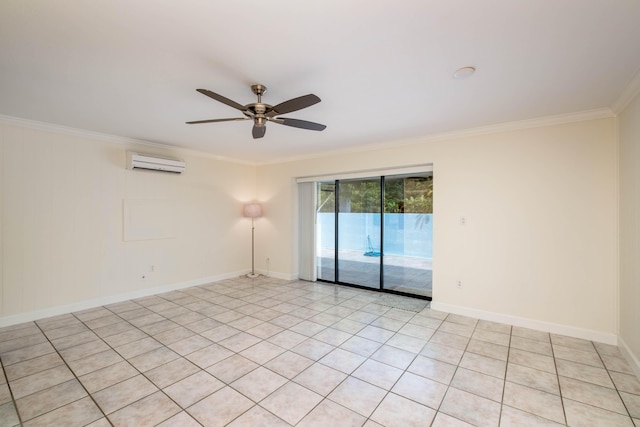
column 628, row 94
column 558, row 119
column 82, row 133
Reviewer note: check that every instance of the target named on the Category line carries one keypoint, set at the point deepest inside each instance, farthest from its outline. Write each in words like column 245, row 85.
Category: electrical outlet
column 268, row 260
column 459, row 284
column 153, row 268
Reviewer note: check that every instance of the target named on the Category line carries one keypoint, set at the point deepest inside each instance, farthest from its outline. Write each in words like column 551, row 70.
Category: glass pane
column 359, row 232
column 326, row 231
column 408, row 233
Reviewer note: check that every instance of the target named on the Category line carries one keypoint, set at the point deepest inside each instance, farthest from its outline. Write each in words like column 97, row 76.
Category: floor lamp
column 253, row 211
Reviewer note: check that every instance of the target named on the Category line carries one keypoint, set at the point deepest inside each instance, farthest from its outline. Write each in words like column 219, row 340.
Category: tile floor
column 266, row 352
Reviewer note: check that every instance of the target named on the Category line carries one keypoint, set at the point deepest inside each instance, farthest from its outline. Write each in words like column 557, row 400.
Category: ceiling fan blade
column 217, row 120
column 258, row 131
column 222, row 99
column 302, row 124
column 294, row 104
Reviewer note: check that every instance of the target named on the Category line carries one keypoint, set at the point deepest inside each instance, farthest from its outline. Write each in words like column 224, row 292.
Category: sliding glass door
column 376, row 232
column 408, row 233
column 359, row 232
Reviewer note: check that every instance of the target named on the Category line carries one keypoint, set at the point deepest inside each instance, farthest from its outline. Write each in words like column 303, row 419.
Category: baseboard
column 628, row 354
column 276, row 275
column 98, row 302
column 524, row 322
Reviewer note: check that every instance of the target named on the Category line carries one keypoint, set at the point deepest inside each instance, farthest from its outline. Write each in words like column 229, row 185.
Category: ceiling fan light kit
column 262, row 113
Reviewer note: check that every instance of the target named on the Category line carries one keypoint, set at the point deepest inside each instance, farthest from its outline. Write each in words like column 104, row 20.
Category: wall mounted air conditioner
column 150, row 162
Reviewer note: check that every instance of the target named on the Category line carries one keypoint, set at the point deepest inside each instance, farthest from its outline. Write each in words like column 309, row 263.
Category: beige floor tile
column 291, row 402
column 181, row 419
column 443, row 353
column 378, row 374
column 357, row 395
column 591, row 358
column 536, row 402
column 533, row 346
column 265, row 330
column 533, row 378
column 342, row 360
column 189, row 345
column 208, row 356
column 193, row 388
column 632, row 402
column 124, row 393
column 259, row 383
column 137, row 348
column 172, row 372
column 130, row 335
column 349, row 326
column 153, row 359
column 320, row 378
column 456, row 328
column 307, row 328
column 232, row 368
column 470, row 408
column 452, row 340
column 393, row 356
column 74, row 340
column 158, row 327
column 483, row 364
column 444, row 420
column 426, row 321
column 26, row 353
column 94, row 362
column 362, row 346
column 262, row 352
column 376, row 333
column 220, row 408
column 32, row 366
column 173, row 335
column 625, row 382
column 5, row 394
column 40, row 381
column 146, row 412
column 432, row 369
column 592, row 394
column 54, row 334
column 582, row 415
column 484, row 348
column 397, row 411
column 477, row 383
column 106, row 377
column 406, row 342
column 258, row 416
column 420, row 389
column 313, row 349
column 287, row 339
column 512, row 417
column 575, row 343
column 532, row 360
column 9, row 415
column 329, row 413
column 240, row 341
column 289, row 364
column 47, row 400
column 583, row 372
column 617, row 364
column 82, row 412
column 530, row 334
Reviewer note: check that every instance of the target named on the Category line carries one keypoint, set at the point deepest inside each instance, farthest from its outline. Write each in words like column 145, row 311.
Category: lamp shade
column 252, row 210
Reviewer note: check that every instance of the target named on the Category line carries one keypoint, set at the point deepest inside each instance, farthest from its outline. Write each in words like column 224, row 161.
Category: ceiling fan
column 262, row 113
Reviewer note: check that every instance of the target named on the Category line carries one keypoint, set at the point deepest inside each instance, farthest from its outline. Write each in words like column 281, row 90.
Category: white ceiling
column 382, row 69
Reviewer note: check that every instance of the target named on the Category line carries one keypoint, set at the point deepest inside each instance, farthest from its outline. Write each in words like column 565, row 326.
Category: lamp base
column 252, row 275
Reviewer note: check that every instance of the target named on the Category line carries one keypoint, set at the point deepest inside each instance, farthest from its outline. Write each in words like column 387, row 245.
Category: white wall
column 61, row 216
column 629, row 137
column 540, row 240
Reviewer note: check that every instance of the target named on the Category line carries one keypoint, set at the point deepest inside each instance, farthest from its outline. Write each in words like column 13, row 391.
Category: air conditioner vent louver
column 154, row 163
